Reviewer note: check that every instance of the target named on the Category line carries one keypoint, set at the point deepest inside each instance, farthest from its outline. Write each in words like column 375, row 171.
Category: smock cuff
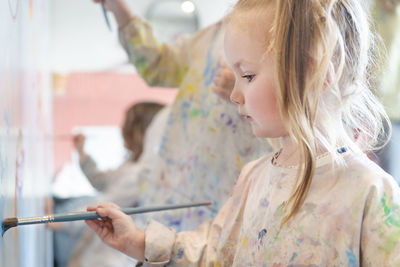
column 159, row 243
column 129, row 31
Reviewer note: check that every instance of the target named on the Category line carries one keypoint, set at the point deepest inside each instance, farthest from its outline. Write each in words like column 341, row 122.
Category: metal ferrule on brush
column 36, row 220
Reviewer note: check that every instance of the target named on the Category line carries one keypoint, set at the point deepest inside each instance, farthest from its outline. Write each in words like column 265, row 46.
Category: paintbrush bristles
column 7, row 224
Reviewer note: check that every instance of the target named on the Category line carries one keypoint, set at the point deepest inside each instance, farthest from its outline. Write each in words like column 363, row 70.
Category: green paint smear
column 141, row 65
column 392, row 241
column 300, row 228
column 391, row 212
column 280, row 209
column 194, row 113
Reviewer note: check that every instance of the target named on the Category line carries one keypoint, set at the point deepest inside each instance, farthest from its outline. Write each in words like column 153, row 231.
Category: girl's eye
column 249, row 77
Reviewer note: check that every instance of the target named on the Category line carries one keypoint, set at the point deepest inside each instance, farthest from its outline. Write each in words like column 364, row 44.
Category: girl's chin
column 257, row 132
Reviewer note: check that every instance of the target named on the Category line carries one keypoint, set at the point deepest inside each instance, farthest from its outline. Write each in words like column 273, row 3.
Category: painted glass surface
column 25, row 110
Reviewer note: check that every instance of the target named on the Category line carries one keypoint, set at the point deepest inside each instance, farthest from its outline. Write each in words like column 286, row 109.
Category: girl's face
column 254, row 91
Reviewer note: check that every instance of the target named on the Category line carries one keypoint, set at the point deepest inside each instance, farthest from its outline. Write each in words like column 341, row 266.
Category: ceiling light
column 188, row 6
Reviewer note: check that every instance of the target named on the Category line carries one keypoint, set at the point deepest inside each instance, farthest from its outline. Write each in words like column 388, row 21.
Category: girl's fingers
column 93, row 225
column 108, row 225
column 107, row 210
column 91, row 208
column 100, row 226
column 111, row 205
column 110, row 212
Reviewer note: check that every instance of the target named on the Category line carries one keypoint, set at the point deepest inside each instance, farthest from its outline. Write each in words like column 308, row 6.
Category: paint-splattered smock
column 205, row 143
column 349, row 218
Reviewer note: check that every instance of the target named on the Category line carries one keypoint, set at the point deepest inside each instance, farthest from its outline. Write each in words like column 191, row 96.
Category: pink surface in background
column 98, row 99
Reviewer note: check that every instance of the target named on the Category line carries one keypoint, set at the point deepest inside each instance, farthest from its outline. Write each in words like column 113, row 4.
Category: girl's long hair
column 324, row 52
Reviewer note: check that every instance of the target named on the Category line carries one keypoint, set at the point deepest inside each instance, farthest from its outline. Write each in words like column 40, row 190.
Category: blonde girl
column 302, row 70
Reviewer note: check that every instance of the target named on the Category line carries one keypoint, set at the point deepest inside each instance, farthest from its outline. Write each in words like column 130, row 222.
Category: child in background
column 124, row 185
column 301, row 72
column 137, row 119
column 142, row 182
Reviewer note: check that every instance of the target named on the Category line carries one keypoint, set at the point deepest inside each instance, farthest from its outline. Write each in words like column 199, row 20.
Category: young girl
column 137, row 119
column 301, row 76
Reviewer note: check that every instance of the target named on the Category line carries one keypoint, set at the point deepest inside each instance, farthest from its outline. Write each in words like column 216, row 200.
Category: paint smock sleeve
column 380, row 236
column 201, row 246
column 97, row 178
column 159, row 64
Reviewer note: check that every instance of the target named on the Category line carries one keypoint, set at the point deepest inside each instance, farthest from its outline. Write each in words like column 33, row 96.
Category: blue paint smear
column 2, row 197
column 200, row 212
column 261, row 234
column 210, row 70
column 352, row 259
column 7, row 119
column 299, row 241
column 184, row 109
column 2, row 206
column 264, row 203
column 293, row 256
column 180, row 253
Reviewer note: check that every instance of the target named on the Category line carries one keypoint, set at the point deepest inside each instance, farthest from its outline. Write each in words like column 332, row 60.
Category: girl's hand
column 120, row 9
column 118, row 230
column 224, row 82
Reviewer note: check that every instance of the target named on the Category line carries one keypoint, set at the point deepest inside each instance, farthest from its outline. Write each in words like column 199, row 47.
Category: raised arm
column 98, row 179
column 159, row 64
column 119, row 8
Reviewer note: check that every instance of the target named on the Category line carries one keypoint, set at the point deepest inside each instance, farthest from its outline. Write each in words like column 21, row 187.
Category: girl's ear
column 136, row 143
column 328, row 76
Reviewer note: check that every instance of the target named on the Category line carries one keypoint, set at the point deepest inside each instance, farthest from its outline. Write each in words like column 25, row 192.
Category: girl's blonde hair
column 323, row 56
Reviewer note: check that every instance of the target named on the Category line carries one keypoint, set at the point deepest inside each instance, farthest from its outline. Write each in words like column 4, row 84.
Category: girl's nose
column 236, row 97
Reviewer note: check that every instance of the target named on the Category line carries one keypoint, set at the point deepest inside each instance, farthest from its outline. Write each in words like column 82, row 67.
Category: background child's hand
column 119, row 8
column 111, row 5
column 79, row 143
column 224, row 81
column 118, row 230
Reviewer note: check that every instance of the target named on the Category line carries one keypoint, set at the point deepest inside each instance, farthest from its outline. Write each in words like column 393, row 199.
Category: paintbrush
column 105, row 15
column 88, row 215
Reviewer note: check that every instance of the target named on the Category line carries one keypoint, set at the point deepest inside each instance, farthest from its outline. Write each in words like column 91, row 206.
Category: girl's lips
column 247, row 117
